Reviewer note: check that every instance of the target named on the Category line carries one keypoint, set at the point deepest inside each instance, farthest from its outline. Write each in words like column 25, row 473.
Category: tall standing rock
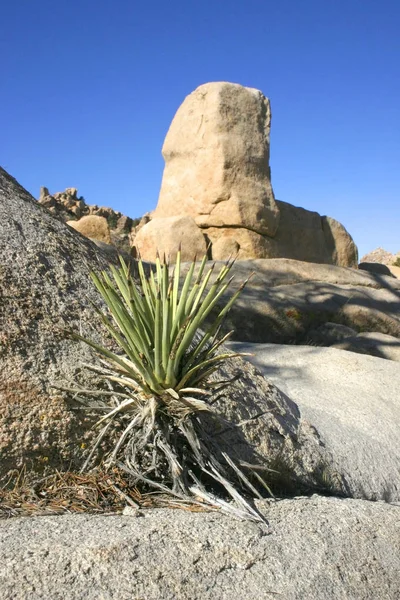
column 217, row 173
column 217, row 160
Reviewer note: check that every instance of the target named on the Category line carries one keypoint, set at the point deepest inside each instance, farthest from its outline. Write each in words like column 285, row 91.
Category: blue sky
column 88, row 90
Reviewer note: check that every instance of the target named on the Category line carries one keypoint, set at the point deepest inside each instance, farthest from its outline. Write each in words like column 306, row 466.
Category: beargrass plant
column 158, row 382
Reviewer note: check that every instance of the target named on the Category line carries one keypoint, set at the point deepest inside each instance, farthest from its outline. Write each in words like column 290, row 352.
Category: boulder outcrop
column 305, row 235
column 45, row 289
column 217, row 160
column 287, row 300
column 217, row 172
column 351, row 401
column 95, row 222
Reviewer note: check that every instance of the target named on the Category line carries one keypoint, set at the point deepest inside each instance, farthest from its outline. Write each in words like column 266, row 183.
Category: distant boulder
column 166, row 235
column 375, row 267
column 93, row 227
column 381, row 261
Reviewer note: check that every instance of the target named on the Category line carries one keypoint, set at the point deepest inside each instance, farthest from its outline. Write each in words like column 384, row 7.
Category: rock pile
column 217, row 176
column 45, row 290
column 216, row 193
column 381, row 261
column 381, row 256
column 98, row 223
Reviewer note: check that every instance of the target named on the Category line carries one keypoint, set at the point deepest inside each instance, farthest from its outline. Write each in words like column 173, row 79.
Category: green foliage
column 112, row 220
column 157, row 325
column 397, row 262
column 157, row 383
column 136, row 221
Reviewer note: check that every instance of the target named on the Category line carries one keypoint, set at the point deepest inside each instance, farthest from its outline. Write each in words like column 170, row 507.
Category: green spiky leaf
column 156, row 321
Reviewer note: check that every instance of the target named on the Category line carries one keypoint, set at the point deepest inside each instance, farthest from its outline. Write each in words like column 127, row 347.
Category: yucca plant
column 158, row 381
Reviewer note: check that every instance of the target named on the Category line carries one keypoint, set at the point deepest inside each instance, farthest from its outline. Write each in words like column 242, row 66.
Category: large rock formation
column 45, row 289
column 217, row 172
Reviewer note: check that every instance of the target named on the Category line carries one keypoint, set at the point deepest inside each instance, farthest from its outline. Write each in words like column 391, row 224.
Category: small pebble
column 131, row 511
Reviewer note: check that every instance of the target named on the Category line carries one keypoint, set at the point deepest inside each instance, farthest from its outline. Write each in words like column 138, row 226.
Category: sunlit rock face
column 217, row 173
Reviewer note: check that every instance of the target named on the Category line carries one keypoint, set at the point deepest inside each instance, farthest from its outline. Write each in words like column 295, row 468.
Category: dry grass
column 98, row 492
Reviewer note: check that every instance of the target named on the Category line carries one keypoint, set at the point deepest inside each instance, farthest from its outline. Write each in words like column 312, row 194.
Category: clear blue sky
column 88, row 90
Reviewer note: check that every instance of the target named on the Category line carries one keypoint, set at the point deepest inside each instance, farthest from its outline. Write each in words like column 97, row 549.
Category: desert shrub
column 112, row 220
column 136, row 221
column 397, row 262
column 158, row 388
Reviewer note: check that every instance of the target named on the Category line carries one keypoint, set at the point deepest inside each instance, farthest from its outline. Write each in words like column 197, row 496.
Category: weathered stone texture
column 217, row 160
column 314, row 549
